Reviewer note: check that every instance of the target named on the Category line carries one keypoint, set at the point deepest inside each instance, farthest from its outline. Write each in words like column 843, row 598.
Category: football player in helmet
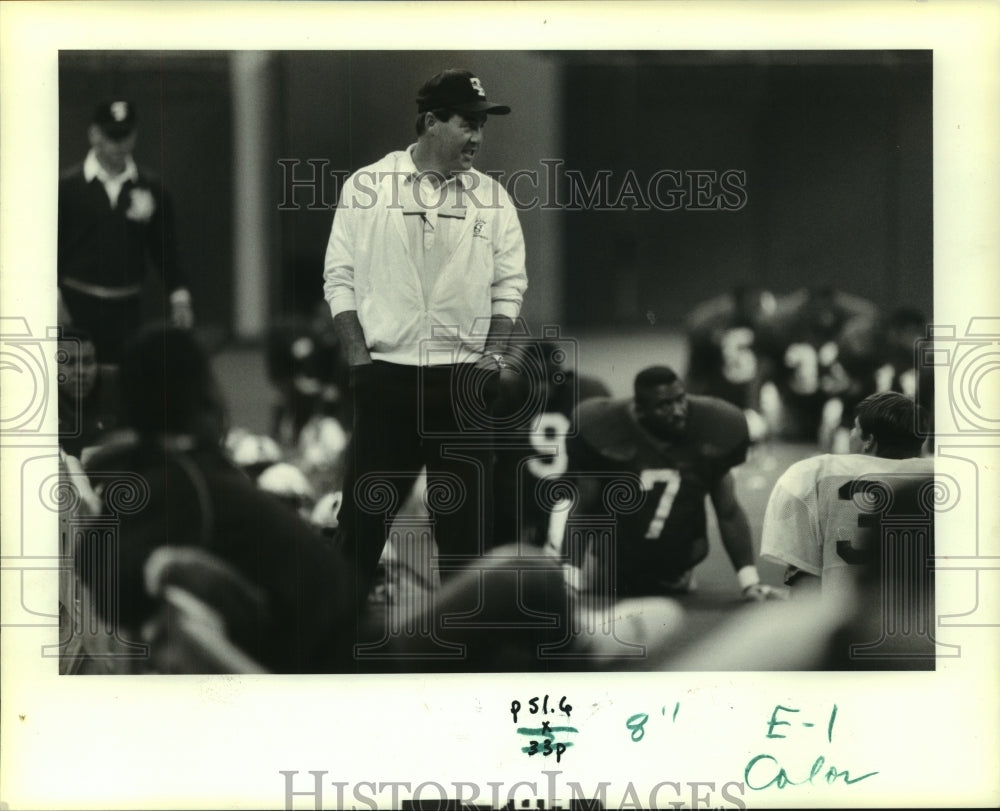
column 251, row 453
column 306, row 366
column 724, row 335
column 290, row 486
column 803, row 358
column 322, row 449
column 875, row 354
column 647, row 463
column 533, row 411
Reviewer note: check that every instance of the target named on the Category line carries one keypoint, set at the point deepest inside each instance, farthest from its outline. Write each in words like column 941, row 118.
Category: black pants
column 406, row 418
column 110, row 322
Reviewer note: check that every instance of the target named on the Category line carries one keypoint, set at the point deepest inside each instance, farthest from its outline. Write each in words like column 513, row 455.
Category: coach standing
column 424, row 275
column 115, row 221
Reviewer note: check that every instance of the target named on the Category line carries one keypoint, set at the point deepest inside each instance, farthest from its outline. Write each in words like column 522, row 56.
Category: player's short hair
column 655, row 376
column 898, row 424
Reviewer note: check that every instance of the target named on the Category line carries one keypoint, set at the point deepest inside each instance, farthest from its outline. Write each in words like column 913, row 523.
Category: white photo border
column 223, row 742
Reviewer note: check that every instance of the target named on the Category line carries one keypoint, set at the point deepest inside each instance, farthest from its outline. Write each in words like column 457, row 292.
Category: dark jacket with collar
column 114, row 246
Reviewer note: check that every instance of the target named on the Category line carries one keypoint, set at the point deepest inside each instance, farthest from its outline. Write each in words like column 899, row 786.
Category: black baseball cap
column 117, row 119
column 458, row 90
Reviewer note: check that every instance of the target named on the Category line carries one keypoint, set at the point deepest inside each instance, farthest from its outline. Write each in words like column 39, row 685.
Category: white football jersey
column 814, row 506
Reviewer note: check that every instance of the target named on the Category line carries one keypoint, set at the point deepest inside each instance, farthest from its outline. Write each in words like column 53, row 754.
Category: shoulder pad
column 606, row 426
column 588, row 387
column 720, row 428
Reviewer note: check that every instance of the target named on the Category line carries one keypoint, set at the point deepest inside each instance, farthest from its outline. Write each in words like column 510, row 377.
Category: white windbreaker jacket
column 368, row 267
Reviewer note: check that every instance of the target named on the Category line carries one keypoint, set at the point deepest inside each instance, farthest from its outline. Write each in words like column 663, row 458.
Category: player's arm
column 584, row 464
column 735, row 530
column 789, row 534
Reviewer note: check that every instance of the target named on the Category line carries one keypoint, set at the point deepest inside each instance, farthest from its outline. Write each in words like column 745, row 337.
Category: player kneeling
column 642, row 468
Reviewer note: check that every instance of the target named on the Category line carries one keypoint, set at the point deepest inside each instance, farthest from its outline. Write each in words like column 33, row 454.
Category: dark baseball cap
column 458, row 90
column 117, row 119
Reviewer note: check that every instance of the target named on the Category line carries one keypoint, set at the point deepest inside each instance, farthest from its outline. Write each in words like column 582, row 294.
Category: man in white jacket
column 424, row 275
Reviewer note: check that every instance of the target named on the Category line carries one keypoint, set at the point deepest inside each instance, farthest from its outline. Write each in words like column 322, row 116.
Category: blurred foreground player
column 682, row 449
column 516, row 613
column 171, row 485
column 812, row 513
column 208, row 614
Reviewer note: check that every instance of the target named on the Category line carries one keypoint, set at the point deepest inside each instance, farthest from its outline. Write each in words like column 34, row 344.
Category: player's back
column 536, row 414
column 813, row 515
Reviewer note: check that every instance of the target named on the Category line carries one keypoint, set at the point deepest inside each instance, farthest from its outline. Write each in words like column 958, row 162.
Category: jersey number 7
column 672, row 483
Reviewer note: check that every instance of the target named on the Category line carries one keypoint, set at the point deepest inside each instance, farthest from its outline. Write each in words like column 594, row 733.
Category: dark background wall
column 836, row 147
column 838, row 158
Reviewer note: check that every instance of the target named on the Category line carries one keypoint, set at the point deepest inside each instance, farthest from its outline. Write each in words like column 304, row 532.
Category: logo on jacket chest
column 477, row 228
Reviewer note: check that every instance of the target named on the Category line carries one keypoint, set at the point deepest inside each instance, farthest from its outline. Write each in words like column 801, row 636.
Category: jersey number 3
column 672, row 483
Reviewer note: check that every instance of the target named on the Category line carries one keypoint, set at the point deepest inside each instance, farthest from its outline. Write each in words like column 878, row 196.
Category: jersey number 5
column 739, row 362
column 672, row 483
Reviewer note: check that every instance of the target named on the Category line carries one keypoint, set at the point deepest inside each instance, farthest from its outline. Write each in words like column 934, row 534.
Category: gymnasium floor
column 613, row 358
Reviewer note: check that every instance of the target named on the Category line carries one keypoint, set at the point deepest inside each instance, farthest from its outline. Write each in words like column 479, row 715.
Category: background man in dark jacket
column 115, row 221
